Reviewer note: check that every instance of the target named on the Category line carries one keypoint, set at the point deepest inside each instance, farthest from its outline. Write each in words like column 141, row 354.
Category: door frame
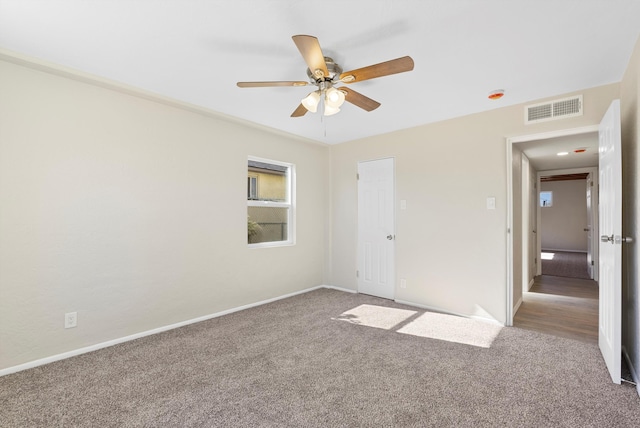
column 510, row 141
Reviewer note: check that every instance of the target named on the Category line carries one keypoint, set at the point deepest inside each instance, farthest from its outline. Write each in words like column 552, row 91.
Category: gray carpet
column 568, row 264
column 314, row 361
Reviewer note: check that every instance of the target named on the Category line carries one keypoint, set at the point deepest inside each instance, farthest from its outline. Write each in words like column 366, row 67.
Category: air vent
column 552, row 110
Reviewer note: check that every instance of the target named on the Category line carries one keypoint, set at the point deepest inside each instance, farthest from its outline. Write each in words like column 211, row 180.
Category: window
column 252, row 186
column 546, row 199
column 270, row 195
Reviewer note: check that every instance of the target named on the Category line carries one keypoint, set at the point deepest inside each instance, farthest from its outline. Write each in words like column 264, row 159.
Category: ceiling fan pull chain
column 324, row 122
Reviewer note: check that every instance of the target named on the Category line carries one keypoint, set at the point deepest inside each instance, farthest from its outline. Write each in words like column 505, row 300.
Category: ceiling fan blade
column 268, row 84
column 309, row 47
column 359, row 100
column 300, row 111
column 398, row 65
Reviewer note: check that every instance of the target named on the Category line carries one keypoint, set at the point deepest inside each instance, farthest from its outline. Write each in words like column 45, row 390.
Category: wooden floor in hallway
column 566, row 307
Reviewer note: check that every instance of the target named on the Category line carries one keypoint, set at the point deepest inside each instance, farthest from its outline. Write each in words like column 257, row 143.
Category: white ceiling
column 195, row 51
column 543, row 154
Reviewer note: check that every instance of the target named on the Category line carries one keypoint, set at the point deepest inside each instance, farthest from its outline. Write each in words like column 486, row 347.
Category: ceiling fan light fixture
column 330, row 111
column 334, row 98
column 311, row 101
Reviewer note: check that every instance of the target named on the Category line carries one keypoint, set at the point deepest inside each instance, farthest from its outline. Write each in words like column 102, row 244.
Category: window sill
column 272, row 244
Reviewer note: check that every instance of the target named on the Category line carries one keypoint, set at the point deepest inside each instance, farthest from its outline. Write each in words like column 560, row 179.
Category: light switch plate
column 70, row 319
column 491, row 203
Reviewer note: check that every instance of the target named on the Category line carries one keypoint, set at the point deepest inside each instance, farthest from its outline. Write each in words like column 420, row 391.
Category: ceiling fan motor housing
column 318, row 76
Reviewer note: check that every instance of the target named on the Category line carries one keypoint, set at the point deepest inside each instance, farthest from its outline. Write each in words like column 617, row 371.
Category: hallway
column 561, row 306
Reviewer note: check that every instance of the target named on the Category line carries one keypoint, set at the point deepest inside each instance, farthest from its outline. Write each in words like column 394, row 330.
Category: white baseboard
column 442, row 311
column 530, row 284
column 346, row 290
column 634, row 373
column 80, row 351
column 517, row 306
column 563, row 251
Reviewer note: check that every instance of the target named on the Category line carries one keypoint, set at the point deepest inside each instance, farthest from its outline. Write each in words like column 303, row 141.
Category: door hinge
column 357, row 274
column 357, row 176
column 592, row 264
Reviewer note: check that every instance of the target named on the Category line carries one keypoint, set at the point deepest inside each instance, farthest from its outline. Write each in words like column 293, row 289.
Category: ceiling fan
column 324, row 73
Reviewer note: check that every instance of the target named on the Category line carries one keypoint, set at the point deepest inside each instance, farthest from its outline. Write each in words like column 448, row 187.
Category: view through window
column 269, row 202
column 546, row 199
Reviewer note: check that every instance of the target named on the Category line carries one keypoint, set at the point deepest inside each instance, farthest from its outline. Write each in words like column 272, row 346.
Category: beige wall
column 133, row 213
column 450, row 248
column 125, row 210
column 564, row 222
column 630, row 97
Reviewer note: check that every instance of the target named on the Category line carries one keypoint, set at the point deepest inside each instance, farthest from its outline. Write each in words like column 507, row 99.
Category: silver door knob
column 605, row 238
column 390, row 237
column 627, row 240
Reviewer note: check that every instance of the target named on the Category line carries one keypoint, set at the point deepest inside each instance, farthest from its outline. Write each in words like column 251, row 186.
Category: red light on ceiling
column 579, row 150
column 496, row 95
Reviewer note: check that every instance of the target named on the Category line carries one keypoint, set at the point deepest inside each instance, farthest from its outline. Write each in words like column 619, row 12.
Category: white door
column 534, row 202
column 589, row 228
column 526, row 229
column 529, row 205
column 610, row 213
column 376, row 228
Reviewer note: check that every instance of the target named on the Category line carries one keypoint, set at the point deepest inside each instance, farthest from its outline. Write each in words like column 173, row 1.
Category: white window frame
column 289, row 203
column 550, row 192
column 252, row 190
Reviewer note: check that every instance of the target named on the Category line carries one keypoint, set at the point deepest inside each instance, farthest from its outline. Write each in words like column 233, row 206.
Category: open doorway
column 552, row 219
column 563, row 297
column 567, row 210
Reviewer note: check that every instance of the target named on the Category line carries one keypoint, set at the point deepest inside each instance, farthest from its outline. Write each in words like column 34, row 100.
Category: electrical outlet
column 70, row 319
column 403, row 283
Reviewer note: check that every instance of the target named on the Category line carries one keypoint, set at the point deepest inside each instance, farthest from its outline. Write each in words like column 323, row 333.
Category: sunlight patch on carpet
column 376, row 316
column 547, row 256
column 453, row 329
column 450, row 328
